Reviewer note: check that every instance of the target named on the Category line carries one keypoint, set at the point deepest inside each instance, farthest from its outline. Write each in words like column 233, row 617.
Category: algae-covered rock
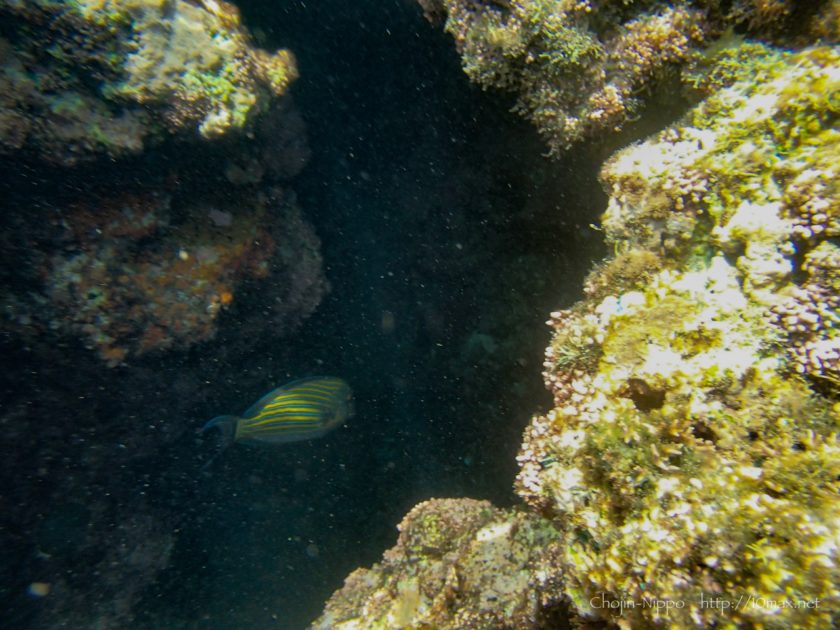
column 458, row 564
column 691, row 460
column 582, row 69
column 128, row 280
column 108, row 76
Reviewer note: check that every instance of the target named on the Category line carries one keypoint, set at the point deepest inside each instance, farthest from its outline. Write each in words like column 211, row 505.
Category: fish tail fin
column 225, row 424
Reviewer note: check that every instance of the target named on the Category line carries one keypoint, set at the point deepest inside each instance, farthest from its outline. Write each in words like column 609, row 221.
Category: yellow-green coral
column 728, row 60
column 691, row 461
column 737, row 153
column 664, row 495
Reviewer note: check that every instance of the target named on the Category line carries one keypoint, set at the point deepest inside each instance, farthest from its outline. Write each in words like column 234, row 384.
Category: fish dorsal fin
column 254, row 409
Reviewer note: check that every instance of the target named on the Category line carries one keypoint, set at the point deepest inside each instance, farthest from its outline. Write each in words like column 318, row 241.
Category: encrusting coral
column 690, row 467
column 107, row 76
column 582, row 69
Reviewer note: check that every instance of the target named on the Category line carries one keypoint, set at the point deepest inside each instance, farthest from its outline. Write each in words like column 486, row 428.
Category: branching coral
column 811, row 317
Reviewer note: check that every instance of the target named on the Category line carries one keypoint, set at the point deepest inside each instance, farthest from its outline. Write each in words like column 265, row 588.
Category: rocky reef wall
column 148, row 150
column 139, row 264
column 584, row 70
column 687, row 475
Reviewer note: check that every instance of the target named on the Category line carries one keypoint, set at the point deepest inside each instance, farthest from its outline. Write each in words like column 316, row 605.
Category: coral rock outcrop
column 585, row 69
column 458, row 564
column 128, row 280
column 94, row 77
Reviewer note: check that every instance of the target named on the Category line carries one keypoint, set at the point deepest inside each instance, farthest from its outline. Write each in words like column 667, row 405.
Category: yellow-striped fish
column 301, row 410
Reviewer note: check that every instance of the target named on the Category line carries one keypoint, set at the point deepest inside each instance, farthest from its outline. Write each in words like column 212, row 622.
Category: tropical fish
column 304, row 409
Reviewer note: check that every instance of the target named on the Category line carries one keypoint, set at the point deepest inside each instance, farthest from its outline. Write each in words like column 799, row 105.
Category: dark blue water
column 444, row 231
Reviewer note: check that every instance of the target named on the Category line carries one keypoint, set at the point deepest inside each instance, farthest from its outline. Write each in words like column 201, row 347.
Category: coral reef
column 583, row 69
column 690, row 458
column 107, row 77
column 127, row 279
column 458, row 563
column 690, row 465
